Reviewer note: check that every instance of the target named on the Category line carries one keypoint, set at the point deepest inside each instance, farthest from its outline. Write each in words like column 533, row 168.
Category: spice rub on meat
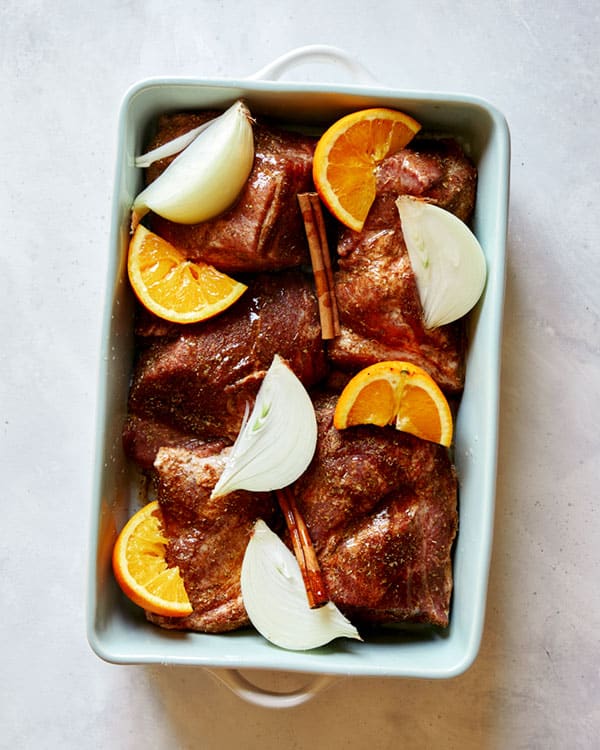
column 381, row 509
column 263, row 230
column 378, row 300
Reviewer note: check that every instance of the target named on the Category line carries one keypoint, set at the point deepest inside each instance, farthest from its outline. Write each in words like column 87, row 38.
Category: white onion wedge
column 207, row 176
column 447, row 260
column 277, row 441
column 275, row 598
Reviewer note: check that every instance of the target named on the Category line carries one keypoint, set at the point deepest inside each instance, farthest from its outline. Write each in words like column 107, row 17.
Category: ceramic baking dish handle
column 315, row 53
column 259, row 696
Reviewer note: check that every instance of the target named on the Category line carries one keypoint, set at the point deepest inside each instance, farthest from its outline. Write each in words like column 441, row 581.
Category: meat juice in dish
column 380, row 505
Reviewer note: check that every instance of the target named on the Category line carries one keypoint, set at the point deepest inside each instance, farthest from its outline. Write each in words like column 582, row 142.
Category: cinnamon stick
column 304, row 551
column 325, row 254
column 314, row 225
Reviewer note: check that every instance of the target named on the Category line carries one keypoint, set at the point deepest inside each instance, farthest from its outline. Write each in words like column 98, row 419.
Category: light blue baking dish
column 117, row 629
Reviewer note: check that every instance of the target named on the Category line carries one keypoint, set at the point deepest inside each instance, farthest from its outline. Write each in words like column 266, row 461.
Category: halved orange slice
column 141, row 569
column 347, row 155
column 397, row 393
column 174, row 288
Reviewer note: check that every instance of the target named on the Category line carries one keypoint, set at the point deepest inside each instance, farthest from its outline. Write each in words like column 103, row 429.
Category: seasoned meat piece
column 200, row 378
column 380, row 310
column 207, row 538
column 143, row 438
column 263, row 229
column 381, row 508
column 379, row 306
column 433, row 168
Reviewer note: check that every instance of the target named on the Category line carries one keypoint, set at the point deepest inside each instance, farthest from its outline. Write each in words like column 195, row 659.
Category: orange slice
column 347, row 155
column 174, row 288
column 141, row 569
column 400, row 393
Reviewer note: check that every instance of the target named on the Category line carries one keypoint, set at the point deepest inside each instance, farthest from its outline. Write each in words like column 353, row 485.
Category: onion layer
column 171, row 147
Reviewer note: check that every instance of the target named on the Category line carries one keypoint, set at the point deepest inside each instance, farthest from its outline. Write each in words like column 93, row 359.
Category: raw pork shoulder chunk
column 381, row 509
column 143, row 437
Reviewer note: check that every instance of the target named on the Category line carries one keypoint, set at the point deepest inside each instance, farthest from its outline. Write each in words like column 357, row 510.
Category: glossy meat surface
column 436, row 169
column 199, row 378
column 263, row 229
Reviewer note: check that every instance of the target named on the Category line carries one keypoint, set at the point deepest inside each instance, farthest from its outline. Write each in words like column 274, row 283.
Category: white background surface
column 65, row 67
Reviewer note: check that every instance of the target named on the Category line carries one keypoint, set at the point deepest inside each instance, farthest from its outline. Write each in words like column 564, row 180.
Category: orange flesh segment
column 419, row 415
column 376, row 405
